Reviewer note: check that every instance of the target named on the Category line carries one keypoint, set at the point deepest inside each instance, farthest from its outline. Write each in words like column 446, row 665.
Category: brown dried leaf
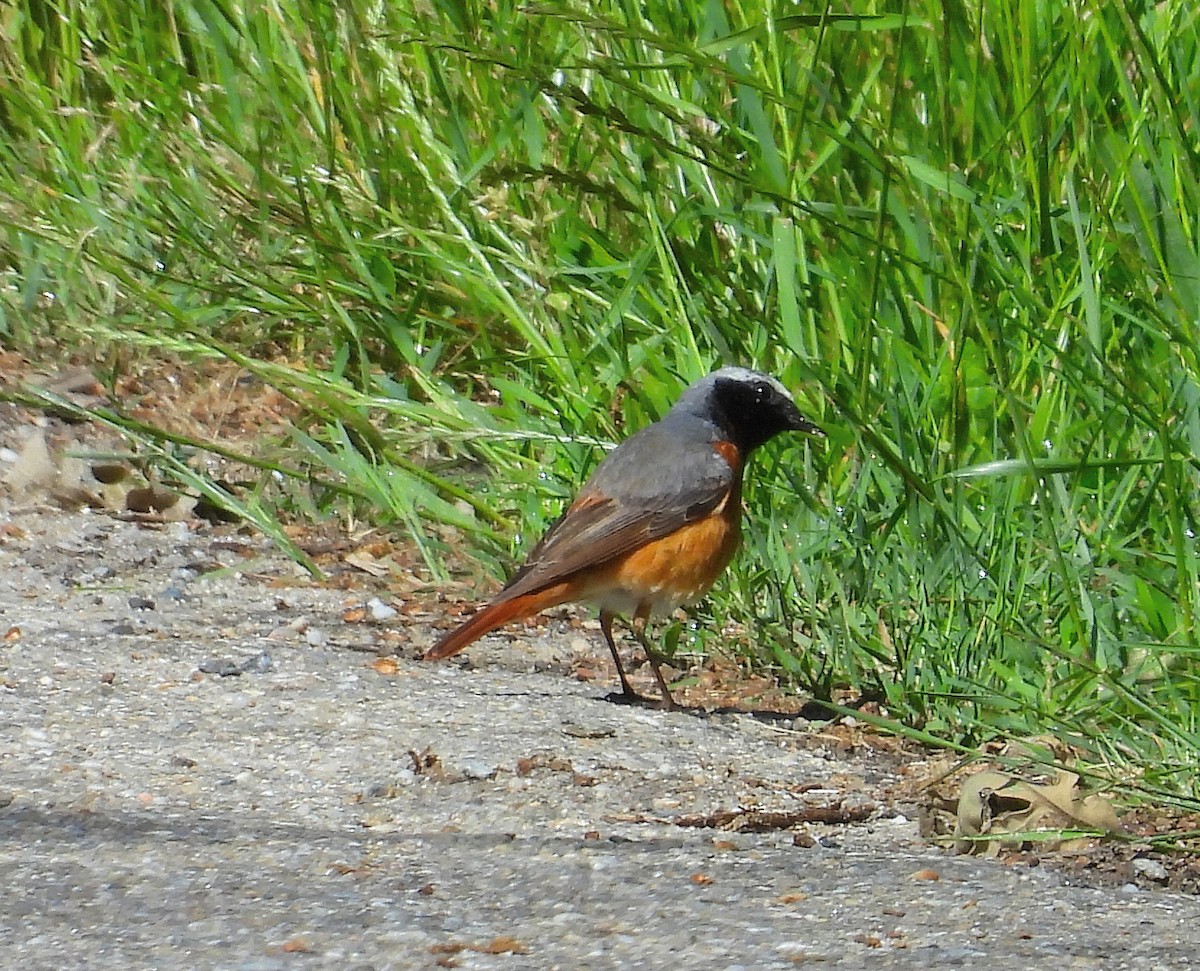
column 77, row 383
column 502, row 945
column 1001, row 805
column 34, row 469
column 111, row 473
column 150, row 499
column 366, row 561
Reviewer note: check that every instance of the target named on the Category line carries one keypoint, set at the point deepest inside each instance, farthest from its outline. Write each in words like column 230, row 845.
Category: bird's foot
column 641, row 701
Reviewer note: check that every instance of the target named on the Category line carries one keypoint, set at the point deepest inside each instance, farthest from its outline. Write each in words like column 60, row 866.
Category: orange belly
column 670, row 571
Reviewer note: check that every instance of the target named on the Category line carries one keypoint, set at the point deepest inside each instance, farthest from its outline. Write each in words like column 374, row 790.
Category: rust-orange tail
column 497, row 615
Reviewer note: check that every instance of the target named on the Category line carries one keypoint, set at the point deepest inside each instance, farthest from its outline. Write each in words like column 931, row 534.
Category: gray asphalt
column 316, row 813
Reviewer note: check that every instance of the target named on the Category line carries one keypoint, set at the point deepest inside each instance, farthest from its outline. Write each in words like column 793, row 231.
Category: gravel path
column 315, row 812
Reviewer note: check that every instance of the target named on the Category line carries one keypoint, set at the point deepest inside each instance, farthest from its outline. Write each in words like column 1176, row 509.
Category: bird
column 655, row 524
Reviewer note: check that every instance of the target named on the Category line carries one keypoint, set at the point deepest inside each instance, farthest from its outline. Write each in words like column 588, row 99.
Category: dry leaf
column 77, row 383
column 150, row 499
column 1003, row 806
column 502, row 945
column 366, row 561
column 111, row 473
column 34, row 468
column 386, row 666
column 497, row 945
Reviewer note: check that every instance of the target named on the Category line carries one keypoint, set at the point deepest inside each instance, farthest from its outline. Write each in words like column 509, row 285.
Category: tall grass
column 498, row 235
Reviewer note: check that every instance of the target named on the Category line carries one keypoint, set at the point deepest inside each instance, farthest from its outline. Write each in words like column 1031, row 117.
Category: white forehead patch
column 747, row 376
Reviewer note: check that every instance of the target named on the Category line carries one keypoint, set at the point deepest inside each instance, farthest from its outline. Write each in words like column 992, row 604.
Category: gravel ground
column 314, row 811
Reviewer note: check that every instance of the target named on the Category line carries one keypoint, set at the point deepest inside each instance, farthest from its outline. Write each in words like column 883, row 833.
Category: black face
column 757, row 410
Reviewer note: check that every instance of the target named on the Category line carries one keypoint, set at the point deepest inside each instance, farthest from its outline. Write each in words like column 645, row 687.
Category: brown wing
column 668, row 475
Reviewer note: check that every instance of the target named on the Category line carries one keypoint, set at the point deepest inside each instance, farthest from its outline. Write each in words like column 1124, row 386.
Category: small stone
column 478, row 769
column 380, row 611
column 585, row 731
column 258, row 664
column 220, row 666
column 315, row 637
column 1150, row 869
column 141, row 603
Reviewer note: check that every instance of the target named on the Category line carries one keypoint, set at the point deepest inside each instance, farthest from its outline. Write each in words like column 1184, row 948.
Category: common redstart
column 656, row 523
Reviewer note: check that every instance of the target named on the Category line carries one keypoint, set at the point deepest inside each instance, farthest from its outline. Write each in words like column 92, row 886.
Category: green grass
column 499, row 235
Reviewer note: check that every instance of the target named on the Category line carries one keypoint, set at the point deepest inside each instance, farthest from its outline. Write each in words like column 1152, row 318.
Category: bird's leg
column 606, row 622
column 640, row 616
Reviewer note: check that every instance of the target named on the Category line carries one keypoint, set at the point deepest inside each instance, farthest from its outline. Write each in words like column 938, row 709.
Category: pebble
column 1150, row 869
column 477, row 769
column 260, row 663
column 380, row 611
column 223, row 667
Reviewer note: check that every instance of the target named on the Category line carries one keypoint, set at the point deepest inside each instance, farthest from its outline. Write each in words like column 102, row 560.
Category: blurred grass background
column 474, row 241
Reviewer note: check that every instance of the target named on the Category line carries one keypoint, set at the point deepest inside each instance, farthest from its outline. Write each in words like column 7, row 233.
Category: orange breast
column 675, row 569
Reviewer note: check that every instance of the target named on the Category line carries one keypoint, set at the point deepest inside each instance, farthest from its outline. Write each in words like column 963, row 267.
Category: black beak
column 798, row 423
